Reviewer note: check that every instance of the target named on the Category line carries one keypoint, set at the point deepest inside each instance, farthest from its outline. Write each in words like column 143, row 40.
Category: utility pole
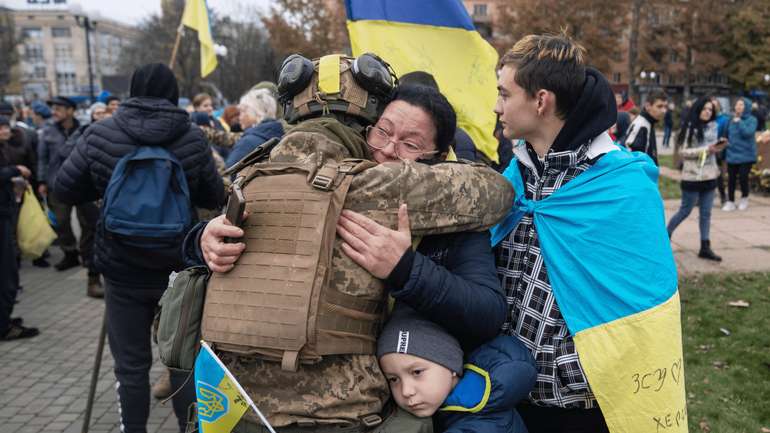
column 88, row 25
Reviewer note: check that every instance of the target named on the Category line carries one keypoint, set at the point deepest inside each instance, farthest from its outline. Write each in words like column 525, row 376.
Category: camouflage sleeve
column 221, row 138
column 441, row 198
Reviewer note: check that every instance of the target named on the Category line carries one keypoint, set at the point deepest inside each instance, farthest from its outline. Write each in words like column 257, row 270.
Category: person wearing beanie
column 136, row 277
column 423, row 365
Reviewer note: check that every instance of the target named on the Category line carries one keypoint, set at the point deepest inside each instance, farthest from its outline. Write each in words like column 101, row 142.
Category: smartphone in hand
column 236, row 205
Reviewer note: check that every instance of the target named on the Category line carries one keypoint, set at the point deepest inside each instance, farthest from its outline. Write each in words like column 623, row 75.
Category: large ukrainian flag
column 603, row 239
column 436, row 36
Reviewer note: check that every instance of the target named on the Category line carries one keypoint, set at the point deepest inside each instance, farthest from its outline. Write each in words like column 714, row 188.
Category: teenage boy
column 641, row 133
column 583, row 248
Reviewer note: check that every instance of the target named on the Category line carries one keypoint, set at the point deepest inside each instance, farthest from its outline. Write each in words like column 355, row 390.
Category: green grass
column 727, row 376
column 666, row 160
column 669, row 188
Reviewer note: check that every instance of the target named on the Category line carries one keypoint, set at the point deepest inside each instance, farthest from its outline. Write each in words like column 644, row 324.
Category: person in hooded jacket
column 741, row 153
column 150, row 117
column 561, row 110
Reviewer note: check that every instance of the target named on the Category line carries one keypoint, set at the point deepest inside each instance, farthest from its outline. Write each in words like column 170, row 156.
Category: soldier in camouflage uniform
column 450, row 278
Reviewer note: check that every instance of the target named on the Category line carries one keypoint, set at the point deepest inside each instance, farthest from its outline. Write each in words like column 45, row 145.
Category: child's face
column 419, row 386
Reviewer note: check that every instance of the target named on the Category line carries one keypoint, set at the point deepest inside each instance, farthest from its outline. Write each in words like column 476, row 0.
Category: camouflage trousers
column 399, row 421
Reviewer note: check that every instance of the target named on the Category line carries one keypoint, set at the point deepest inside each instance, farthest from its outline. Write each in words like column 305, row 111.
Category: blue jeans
column 689, row 200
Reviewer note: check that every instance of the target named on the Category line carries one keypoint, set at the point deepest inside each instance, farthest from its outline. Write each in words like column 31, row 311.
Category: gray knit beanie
column 408, row 332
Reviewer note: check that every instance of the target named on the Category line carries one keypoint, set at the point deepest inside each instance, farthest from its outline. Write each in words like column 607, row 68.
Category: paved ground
column 45, row 380
column 741, row 238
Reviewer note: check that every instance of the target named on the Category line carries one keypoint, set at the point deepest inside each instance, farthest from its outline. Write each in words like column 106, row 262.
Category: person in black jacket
column 149, row 118
column 10, row 329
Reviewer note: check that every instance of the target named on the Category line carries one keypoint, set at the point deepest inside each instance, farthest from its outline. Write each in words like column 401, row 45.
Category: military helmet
column 357, row 88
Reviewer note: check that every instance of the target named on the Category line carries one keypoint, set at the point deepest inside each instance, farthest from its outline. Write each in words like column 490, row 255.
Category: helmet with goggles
column 354, row 89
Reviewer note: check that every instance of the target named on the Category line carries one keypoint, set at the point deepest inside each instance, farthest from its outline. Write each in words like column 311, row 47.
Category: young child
column 424, row 367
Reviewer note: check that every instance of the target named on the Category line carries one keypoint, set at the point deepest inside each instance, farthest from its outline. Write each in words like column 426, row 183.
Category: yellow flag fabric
column 461, row 61
column 648, row 393
column 196, row 17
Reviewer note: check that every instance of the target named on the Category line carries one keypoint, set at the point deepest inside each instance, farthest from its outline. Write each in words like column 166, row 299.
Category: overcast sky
column 132, row 11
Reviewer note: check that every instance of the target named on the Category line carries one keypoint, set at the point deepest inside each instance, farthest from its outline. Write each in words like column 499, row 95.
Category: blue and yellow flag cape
column 435, row 36
column 603, row 239
column 196, row 17
column 220, row 399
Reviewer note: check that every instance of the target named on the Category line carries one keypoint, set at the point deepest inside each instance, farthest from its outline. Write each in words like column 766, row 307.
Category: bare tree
column 596, row 24
column 249, row 56
column 682, row 40
column 8, row 42
column 747, row 45
column 312, row 28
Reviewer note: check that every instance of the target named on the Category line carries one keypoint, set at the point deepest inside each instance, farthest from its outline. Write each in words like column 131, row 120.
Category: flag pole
column 179, row 32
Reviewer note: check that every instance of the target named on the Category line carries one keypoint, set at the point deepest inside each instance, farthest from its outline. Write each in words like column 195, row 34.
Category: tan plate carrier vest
column 277, row 303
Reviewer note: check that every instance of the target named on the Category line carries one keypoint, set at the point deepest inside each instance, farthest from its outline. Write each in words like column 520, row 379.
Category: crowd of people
column 465, row 312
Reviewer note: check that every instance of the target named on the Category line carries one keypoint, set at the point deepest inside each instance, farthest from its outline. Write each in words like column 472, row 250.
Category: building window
column 616, row 77
column 33, row 53
column 60, row 32
column 63, row 52
column 39, row 72
column 31, row 33
column 480, row 10
column 66, row 83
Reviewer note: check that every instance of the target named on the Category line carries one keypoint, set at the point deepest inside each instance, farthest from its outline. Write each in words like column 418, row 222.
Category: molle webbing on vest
column 277, row 301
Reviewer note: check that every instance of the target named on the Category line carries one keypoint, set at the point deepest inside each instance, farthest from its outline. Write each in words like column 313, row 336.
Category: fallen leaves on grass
column 725, row 331
column 719, row 365
column 704, row 426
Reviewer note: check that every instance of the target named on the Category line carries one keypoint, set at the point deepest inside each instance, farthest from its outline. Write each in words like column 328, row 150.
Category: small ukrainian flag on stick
column 221, row 400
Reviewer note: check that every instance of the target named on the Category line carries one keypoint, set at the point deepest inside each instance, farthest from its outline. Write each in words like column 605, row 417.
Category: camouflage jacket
column 441, row 198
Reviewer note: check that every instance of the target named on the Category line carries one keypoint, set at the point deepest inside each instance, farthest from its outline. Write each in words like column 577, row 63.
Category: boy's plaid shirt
column 534, row 316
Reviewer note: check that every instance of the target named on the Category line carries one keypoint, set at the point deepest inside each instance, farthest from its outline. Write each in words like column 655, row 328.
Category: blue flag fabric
column 603, row 236
column 612, row 272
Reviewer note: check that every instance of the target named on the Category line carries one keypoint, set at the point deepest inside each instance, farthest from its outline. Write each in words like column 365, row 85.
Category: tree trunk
column 633, row 49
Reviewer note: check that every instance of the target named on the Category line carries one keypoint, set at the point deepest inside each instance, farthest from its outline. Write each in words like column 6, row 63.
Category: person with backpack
column 150, row 166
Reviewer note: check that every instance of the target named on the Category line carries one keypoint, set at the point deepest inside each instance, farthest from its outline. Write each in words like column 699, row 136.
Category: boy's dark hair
column 436, row 105
column 657, row 95
column 421, row 78
column 552, row 62
column 111, row 98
